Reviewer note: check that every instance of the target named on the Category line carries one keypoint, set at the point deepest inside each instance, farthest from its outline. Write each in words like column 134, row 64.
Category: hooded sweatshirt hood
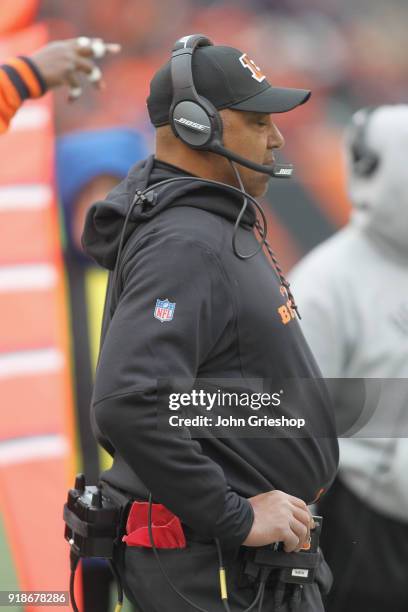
column 105, row 219
column 381, row 200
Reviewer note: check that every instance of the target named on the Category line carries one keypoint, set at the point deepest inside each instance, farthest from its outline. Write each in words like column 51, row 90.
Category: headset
column 365, row 161
column 194, row 119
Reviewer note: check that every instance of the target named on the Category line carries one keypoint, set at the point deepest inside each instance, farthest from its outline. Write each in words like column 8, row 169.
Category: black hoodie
column 227, row 324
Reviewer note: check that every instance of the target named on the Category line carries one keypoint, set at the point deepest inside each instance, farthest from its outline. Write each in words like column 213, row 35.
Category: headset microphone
column 275, row 170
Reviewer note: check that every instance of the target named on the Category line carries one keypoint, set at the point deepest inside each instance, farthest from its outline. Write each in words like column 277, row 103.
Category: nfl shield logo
column 164, row 310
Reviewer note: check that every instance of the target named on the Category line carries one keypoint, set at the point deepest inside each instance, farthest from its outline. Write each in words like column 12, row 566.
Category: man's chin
column 260, row 189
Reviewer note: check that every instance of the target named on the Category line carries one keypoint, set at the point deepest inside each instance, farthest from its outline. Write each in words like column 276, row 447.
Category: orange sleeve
column 19, row 80
column 10, row 100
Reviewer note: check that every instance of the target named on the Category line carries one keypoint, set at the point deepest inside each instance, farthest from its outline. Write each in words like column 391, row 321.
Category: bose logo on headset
column 193, row 125
column 286, row 171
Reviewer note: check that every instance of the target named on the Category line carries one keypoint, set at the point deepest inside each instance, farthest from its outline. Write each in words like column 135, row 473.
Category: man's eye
column 262, row 123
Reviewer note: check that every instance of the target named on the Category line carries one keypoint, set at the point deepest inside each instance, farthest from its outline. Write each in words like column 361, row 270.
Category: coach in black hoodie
column 230, row 320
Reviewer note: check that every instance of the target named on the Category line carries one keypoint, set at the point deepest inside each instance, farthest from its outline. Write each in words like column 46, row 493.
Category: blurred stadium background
column 351, row 54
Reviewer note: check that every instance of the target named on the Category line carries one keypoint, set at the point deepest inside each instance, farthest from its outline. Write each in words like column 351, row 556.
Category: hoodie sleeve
column 139, row 350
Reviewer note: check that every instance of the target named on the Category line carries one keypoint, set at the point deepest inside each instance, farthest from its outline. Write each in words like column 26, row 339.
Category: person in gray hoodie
column 352, row 292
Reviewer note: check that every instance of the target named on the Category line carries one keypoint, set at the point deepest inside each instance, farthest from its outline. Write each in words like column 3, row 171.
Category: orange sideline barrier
column 37, row 425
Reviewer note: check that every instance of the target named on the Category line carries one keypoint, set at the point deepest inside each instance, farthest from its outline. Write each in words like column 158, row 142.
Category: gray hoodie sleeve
column 140, row 349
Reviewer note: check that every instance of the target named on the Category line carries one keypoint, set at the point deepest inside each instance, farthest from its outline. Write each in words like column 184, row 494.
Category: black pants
column 367, row 552
column 194, row 571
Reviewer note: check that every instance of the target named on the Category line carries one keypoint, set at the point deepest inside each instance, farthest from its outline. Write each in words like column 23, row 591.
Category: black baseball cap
column 228, row 78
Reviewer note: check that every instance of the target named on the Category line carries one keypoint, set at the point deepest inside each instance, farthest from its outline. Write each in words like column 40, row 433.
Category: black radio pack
column 91, row 521
column 287, row 570
column 296, row 567
column 299, row 567
column 92, row 528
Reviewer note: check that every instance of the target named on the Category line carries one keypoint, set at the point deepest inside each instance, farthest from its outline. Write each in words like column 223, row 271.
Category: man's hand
column 279, row 518
column 61, row 62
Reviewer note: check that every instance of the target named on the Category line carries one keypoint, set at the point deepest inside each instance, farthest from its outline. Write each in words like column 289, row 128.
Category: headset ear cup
column 367, row 166
column 191, row 123
column 197, row 124
column 365, row 160
column 192, row 117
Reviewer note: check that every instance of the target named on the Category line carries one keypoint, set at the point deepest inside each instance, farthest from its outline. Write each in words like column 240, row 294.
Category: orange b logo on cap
column 255, row 70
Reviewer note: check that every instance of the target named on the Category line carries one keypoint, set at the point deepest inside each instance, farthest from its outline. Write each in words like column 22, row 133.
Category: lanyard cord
column 262, row 231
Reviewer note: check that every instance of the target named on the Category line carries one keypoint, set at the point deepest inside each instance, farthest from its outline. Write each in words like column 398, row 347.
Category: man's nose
column 276, row 139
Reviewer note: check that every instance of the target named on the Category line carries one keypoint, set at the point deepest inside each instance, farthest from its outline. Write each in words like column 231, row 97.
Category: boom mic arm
column 275, row 170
